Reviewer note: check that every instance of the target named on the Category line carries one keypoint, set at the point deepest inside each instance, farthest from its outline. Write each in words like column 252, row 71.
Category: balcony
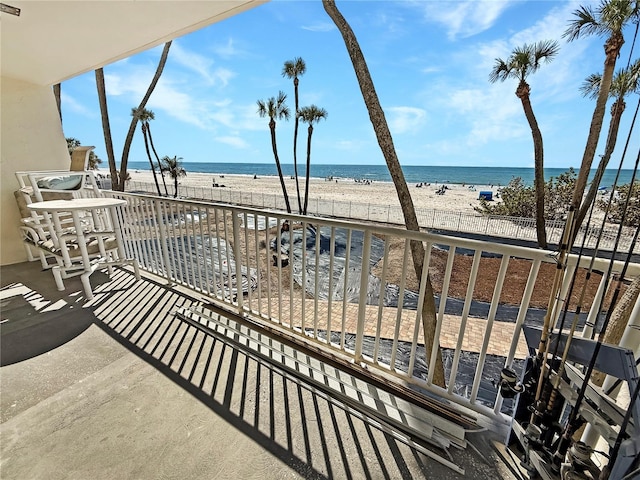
column 183, row 371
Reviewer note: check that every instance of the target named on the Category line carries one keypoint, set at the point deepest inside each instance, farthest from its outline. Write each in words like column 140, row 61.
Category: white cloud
column 493, row 114
column 465, row 18
column 233, row 141
column 405, row 119
column 319, row 27
column 201, row 65
column 192, row 61
column 171, row 100
column 71, row 104
column 227, row 50
column 487, row 113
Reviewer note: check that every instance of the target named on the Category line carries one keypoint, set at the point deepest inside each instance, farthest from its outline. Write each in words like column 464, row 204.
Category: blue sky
column 430, row 62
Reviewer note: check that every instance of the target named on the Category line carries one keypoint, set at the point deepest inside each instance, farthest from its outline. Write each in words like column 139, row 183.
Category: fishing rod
column 543, row 347
column 540, row 409
column 570, row 426
column 550, row 396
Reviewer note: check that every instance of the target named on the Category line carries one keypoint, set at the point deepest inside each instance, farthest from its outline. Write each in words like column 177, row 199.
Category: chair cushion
column 64, row 182
column 93, row 247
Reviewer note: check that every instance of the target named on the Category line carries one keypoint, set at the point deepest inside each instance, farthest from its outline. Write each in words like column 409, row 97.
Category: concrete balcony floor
column 119, row 388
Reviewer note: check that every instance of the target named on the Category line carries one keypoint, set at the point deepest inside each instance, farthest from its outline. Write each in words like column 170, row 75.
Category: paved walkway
column 473, row 335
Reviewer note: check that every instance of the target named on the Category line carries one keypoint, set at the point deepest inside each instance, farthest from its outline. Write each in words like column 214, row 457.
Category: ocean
column 379, row 173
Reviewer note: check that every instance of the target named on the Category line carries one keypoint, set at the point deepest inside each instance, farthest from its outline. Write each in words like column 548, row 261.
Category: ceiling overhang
column 51, row 41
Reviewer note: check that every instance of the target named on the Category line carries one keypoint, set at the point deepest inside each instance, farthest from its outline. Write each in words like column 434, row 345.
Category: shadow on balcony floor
column 118, row 387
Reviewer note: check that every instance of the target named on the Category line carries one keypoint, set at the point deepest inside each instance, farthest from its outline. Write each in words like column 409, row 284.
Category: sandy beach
column 456, row 198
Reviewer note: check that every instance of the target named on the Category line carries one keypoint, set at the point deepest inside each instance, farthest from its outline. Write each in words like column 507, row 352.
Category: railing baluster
column 237, row 254
column 463, row 320
column 344, row 289
column 247, row 258
column 316, row 290
column 418, row 321
column 278, row 263
column 256, row 235
column 442, row 304
column 332, row 248
column 303, row 282
column 396, row 333
column 381, row 297
column 219, row 272
column 594, row 311
column 362, row 302
column 487, row 334
column 522, row 315
column 268, row 263
column 165, row 265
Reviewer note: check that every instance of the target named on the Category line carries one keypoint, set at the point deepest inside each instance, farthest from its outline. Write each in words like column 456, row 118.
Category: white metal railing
column 490, row 225
column 329, row 283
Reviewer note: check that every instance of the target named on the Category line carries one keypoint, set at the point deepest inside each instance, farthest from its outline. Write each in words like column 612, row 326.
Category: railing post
column 163, row 241
column 362, row 301
column 237, row 260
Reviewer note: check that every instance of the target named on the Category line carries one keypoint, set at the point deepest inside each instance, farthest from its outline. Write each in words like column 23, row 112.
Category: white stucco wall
column 31, row 138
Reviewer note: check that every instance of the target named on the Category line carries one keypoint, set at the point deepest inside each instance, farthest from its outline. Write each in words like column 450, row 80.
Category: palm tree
column 143, row 115
column 522, row 62
column 293, row 69
column 152, row 116
column 117, row 182
column 309, row 115
column 173, row 166
column 134, row 120
column 381, row 128
column 608, row 19
column 626, row 81
column 72, row 144
column 276, row 108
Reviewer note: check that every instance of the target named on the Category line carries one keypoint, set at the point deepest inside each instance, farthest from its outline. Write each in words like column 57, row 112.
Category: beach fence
column 607, row 238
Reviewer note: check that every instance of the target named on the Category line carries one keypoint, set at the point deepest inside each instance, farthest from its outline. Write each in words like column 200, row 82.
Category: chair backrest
column 80, row 159
column 42, row 184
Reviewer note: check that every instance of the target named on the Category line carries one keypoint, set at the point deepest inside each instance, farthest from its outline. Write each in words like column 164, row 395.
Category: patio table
column 94, row 220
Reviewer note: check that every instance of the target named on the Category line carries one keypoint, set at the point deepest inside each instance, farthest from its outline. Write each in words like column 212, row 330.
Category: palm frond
column 591, row 86
column 501, row 71
column 545, row 50
column 616, row 14
column 584, row 23
column 312, row 114
column 294, row 68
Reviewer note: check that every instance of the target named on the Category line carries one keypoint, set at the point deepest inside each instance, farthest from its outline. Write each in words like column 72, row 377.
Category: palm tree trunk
column 153, row 170
column 385, row 142
column 538, row 155
column 306, row 183
column 274, row 147
column 295, row 148
column 175, row 184
column 612, row 49
column 617, row 109
column 158, row 159
column 117, row 183
column 134, row 120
